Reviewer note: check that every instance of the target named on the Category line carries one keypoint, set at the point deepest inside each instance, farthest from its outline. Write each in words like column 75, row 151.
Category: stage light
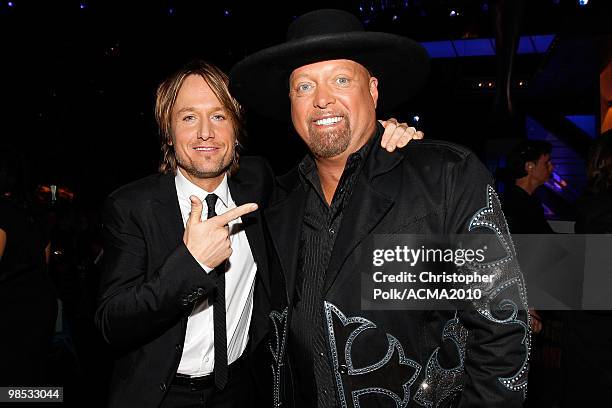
column 10, row 4
column 395, row 17
column 453, row 13
column 82, row 6
column 480, row 84
column 226, row 13
column 170, row 11
column 583, row 3
column 416, row 118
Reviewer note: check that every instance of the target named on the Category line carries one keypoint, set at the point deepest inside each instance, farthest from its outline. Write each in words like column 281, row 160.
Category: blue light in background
column 439, row 49
column 484, row 46
column 542, row 42
column 585, row 122
column 525, row 46
column 473, row 48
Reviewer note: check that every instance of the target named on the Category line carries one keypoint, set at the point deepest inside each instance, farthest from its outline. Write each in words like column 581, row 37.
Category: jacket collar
column 370, row 201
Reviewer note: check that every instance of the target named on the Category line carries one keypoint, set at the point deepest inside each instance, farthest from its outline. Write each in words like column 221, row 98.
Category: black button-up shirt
column 308, row 349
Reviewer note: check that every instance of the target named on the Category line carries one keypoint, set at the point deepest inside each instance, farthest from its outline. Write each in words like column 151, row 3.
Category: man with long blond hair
column 176, row 284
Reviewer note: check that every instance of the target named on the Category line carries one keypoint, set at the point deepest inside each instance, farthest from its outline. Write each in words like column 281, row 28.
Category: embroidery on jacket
column 441, row 383
column 506, row 274
column 353, row 382
column 277, row 348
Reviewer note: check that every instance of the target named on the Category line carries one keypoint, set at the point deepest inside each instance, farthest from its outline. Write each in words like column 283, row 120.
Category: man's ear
column 374, row 90
column 529, row 166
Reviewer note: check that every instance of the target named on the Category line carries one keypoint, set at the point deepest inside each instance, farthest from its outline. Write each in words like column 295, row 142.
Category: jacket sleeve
column 498, row 340
column 138, row 302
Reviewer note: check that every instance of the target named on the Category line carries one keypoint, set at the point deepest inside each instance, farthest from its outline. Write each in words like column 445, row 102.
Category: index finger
column 235, row 213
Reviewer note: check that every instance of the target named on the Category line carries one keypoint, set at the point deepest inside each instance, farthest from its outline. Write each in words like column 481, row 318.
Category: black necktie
column 220, row 340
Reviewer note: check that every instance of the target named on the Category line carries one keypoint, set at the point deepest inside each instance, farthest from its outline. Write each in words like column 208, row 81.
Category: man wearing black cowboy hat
column 328, row 351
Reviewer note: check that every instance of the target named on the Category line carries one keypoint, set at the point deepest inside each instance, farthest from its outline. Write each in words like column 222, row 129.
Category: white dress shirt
column 198, row 356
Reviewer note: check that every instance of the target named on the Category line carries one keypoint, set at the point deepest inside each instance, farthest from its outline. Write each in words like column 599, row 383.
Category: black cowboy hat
column 261, row 80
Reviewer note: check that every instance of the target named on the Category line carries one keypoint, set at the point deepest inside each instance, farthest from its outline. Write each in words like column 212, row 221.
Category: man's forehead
column 328, row 66
column 193, row 92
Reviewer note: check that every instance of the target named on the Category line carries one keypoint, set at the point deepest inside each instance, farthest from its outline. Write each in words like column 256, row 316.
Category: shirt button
column 321, row 354
column 162, row 386
column 206, row 359
column 331, row 231
column 343, row 369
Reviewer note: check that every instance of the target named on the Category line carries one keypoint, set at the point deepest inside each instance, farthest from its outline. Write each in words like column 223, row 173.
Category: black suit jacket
column 150, row 281
column 430, row 187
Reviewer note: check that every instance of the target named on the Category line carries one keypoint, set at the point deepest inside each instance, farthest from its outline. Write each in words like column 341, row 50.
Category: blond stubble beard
column 191, row 169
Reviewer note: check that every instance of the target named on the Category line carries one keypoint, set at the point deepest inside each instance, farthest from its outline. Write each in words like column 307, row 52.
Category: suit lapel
column 284, row 220
column 365, row 211
column 245, row 192
column 167, row 211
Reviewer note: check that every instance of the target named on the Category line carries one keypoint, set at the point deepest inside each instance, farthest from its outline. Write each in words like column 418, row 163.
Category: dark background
column 78, row 91
column 79, row 78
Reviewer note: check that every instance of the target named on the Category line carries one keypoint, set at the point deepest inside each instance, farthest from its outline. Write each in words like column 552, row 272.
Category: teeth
column 204, row 148
column 328, row 121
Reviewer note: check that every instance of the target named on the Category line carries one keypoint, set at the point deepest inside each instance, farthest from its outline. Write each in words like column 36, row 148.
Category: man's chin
column 327, row 149
column 329, row 143
column 206, row 172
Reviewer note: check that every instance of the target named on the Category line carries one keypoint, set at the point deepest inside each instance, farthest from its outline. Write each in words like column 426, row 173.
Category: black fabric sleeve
column 498, row 340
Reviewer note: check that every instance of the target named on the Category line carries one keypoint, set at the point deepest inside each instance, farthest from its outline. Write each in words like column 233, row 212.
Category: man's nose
column 323, row 97
column 205, row 131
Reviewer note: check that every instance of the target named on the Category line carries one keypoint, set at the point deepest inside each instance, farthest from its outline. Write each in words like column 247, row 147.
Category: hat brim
column 261, row 81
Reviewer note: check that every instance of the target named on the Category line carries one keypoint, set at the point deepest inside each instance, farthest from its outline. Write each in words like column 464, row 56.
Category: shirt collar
column 186, row 188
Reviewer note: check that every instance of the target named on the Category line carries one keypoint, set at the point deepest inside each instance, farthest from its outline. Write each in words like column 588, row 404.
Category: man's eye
column 189, row 118
column 342, row 80
column 304, row 87
column 218, row 117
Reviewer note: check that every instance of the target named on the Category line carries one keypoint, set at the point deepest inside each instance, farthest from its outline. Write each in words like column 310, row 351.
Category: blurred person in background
column 586, row 358
column 529, row 166
column 28, row 305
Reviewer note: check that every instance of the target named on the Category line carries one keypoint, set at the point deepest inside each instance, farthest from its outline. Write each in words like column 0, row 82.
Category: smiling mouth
column 328, row 121
column 205, row 149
